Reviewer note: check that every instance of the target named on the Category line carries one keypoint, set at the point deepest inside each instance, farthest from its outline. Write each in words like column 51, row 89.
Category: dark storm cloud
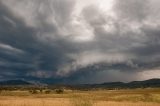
column 21, row 50
column 69, row 41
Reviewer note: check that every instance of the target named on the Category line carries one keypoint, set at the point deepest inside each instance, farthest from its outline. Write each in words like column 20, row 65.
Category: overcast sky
column 80, row 41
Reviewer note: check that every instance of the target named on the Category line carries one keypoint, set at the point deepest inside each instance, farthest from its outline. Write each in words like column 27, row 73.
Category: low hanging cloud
column 79, row 41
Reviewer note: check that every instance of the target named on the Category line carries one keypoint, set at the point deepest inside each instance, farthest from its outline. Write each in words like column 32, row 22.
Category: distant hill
column 14, row 82
column 133, row 84
column 146, row 83
column 121, row 85
column 108, row 85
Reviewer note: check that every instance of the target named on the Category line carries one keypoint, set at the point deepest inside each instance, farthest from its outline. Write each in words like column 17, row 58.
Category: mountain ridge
column 155, row 82
column 15, row 82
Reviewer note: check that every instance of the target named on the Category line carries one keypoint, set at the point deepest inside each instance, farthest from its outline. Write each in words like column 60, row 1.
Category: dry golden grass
column 104, row 103
column 16, row 101
column 10, row 101
column 137, row 97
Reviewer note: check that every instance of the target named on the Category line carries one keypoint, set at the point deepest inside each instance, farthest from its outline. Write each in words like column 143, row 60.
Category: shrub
column 33, row 91
column 59, row 91
column 48, row 91
column 41, row 90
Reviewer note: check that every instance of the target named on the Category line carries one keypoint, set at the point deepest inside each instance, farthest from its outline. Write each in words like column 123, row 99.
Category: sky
column 80, row 41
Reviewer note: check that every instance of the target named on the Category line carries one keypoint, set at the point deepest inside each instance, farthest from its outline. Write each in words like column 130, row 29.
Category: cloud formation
column 79, row 41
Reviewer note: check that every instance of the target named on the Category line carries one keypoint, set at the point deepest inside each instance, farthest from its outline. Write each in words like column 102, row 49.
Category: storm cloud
column 79, row 41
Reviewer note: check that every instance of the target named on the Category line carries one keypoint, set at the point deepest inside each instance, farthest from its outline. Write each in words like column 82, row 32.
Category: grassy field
column 136, row 97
